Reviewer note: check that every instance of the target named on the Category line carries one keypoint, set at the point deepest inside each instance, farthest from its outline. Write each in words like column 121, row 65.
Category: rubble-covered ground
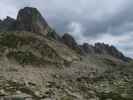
column 37, row 68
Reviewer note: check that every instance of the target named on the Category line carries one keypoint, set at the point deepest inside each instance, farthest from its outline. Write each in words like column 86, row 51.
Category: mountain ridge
column 30, row 19
column 37, row 64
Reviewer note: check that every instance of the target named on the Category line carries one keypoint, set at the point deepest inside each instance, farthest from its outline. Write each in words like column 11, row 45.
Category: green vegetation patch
column 51, row 33
column 112, row 96
column 13, row 41
column 35, row 14
column 109, row 62
column 130, row 64
column 25, row 57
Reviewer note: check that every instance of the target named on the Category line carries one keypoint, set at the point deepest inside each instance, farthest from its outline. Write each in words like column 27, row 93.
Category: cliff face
column 40, row 65
column 30, row 19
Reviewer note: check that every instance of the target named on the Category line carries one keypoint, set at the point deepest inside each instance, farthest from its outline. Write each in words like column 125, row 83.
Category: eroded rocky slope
column 39, row 65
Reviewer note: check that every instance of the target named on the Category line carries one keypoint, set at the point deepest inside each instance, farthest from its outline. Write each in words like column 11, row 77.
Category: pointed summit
column 30, row 19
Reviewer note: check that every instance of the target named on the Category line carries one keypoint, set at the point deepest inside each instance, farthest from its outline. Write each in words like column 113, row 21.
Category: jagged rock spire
column 30, row 19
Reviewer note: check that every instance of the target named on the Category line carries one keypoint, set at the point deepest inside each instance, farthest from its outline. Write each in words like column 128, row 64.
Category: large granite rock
column 30, row 19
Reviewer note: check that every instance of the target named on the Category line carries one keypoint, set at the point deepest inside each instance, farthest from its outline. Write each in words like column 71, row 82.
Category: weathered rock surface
column 103, row 49
column 30, row 19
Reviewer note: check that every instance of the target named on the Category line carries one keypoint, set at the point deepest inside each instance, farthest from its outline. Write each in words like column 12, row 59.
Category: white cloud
column 75, row 29
column 7, row 9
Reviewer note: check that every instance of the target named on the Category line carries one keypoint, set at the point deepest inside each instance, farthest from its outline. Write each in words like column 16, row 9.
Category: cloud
column 109, row 21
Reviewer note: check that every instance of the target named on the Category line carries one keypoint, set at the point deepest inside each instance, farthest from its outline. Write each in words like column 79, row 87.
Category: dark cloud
column 109, row 21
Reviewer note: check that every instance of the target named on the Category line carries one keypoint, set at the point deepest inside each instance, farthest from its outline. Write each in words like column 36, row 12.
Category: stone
column 2, row 92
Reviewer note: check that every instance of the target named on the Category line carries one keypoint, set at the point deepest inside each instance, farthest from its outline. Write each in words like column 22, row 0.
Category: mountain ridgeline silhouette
column 38, row 64
column 29, row 19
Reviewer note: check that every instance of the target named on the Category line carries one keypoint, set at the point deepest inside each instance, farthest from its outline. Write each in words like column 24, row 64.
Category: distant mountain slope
column 37, row 64
column 98, row 48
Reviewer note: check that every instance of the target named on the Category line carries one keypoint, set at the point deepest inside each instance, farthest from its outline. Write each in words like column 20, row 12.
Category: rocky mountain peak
column 30, row 19
column 99, row 48
column 88, row 48
column 69, row 41
column 107, row 49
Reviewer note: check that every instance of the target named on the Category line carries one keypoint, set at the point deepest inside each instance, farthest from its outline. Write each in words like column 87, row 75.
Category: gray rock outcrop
column 69, row 41
column 30, row 19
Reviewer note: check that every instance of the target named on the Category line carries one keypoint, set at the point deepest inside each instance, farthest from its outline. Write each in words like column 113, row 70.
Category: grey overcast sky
column 108, row 21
